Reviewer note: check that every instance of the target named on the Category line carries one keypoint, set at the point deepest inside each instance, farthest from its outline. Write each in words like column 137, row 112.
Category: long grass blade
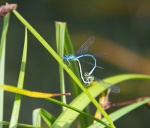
column 60, row 40
column 33, row 94
column 20, row 125
column 74, row 67
column 83, row 121
column 2, row 63
column 17, row 102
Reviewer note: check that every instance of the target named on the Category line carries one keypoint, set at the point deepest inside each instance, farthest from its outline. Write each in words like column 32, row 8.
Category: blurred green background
column 121, row 29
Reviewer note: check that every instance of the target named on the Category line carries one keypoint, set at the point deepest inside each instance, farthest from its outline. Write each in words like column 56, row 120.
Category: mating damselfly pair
column 87, row 77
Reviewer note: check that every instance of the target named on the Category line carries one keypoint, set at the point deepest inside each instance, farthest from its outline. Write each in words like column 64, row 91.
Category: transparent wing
column 106, row 85
column 84, row 48
column 91, row 64
column 97, row 55
column 101, row 54
column 115, row 89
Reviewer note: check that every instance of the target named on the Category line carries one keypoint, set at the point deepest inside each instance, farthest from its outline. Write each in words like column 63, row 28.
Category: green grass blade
column 36, row 118
column 95, row 90
column 2, row 63
column 74, row 67
column 47, row 117
column 119, row 78
column 83, row 121
column 60, row 40
column 20, row 125
column 61, row 35
column 60, row 61
column 17, row 102
column 121, row 112
column 75, row 110
column 39, row 114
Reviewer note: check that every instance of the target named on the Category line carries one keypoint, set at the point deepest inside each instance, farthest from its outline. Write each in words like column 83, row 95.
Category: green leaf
column 17, row 102
column 39, row 114
column 33, row 94
column 20, row 125
column 60, row 40
column 121, row 112
column 47, row 117
column 76, row 110
column 2, row 63
column 74, row 67
column 36, row 118
column 82, row 100
column 83, row 120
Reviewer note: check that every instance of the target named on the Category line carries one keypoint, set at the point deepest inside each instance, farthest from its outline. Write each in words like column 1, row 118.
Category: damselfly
column 88, row 79
column 81, row 53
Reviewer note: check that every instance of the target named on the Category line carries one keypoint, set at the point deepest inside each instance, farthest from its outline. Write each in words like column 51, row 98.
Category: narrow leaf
column 20, row 125
column 75, row 110
column 74, row 67
column 36, row 118
column 17, row 102
column 33, row 94
column 39, row 114
column 60, row 39
column 2, row 63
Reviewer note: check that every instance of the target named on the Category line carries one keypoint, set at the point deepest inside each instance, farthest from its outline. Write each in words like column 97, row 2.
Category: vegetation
column 81, row 100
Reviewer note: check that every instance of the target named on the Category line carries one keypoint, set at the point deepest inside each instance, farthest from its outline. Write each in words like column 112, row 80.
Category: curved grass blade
column 75, row 110
column 121, row 112
column 95, row 90
column 2, row 63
